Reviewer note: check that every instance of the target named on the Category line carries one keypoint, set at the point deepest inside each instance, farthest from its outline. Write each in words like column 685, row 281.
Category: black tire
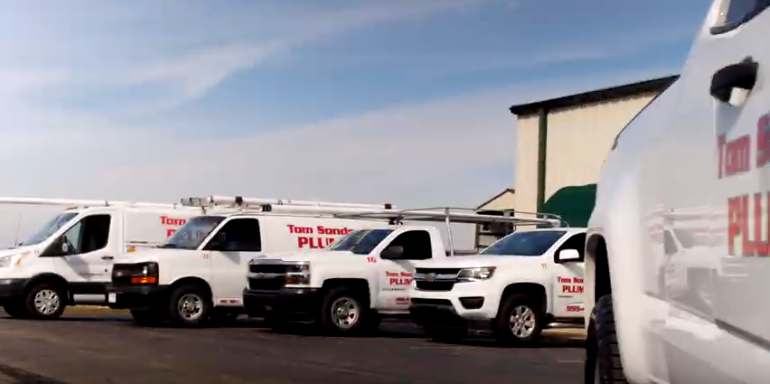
column 344, row 298
column 148, row 317
column 48, row 292
column 189, row 306
column 503, row 330
column 446, row 335
column 602, row 350
column 17, row 310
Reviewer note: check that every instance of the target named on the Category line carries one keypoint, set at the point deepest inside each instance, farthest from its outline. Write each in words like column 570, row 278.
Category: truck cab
column 346, row 289
column 702, row 145
column 515, row 288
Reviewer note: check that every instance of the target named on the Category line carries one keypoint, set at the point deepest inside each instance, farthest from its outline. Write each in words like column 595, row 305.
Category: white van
column 689, row 305
column 69, row 260
column 198, row 275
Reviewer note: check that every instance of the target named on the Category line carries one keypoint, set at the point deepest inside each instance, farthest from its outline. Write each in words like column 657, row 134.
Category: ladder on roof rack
column 447, row 216
column 83, row 202
column 253, row 202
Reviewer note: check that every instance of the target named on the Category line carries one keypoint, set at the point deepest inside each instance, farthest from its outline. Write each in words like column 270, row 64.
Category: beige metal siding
column 526, row 163
column 578, row 142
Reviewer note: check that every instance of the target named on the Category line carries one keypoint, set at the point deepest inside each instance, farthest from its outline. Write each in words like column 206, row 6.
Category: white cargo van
column 69, row 260
column 198, row 275
column 365, row 276
column 689, row 305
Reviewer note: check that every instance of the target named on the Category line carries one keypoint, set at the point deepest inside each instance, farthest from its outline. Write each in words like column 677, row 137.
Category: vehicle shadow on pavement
column 11, row 375
column 550, row 341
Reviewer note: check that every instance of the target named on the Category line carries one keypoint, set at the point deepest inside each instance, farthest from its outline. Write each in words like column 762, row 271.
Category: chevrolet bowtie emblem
column 430, row 276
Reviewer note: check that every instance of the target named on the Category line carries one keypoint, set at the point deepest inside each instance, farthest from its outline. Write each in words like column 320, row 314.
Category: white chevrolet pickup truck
column 359, row 279
column 515, row 288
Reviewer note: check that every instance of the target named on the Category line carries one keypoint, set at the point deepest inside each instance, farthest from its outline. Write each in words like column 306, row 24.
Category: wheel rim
column 345, row 312
column 190, row 307
column 522, row 321
column 47, row 301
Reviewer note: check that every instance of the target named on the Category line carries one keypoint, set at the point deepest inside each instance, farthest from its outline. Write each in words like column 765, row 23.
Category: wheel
column 520, row 320
column 17, row 310
column 189, row 306
column 148, row 317
column 45, row 301
column 343, row 312
column 603, row 365
column 446, row 334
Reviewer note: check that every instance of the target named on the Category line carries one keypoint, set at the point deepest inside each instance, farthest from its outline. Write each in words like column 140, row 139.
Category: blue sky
column 399, row 100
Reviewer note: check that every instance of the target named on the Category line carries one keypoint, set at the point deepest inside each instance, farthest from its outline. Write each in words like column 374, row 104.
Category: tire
column 45, row 301
column 446, row 335
column 602, row 349
column 189, row 306
column 344, row 312
column 17, row 310
column 531, row 320
column 148, row 317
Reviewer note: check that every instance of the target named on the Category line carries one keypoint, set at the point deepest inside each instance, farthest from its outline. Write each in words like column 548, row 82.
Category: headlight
column 10, row 260
column 139, row 274
column 298, row 273
column 475, row 274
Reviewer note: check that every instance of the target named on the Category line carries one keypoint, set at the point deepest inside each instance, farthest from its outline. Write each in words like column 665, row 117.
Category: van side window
column 576, row 242
column 88, row 235
column 240, row 235
column 416, row 245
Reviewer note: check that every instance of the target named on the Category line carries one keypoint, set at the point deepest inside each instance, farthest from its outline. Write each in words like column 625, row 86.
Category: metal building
column 563, row 142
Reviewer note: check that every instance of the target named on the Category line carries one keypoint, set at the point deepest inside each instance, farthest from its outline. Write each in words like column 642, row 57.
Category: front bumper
column 440, row 313
column 300, row 302
column 136, row 296
column 11, row 289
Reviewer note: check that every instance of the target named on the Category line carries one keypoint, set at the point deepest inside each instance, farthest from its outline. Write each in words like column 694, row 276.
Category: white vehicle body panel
column 692, row 314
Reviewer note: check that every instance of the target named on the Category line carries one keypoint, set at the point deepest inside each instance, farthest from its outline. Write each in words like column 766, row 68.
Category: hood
column 475, row 261
column 19, row 250
column 152, row 254
column 305, row 256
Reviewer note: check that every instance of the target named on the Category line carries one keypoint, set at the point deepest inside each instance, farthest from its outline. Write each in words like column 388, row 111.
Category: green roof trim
column 574, row 204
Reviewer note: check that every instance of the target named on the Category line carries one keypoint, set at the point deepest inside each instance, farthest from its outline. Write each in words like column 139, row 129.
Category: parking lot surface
column 108, row 348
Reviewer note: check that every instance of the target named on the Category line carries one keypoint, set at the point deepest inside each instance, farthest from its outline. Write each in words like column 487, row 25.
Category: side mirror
column 568, row 255
column 65, row 248
column 392, row 252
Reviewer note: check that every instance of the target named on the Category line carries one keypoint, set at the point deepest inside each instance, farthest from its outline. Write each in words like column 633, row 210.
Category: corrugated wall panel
column 579, row 140
column 526, row 164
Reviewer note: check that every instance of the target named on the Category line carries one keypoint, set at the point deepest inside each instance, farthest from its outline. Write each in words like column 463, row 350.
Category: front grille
column 267, row 268
column 437, row 302
column 266, row 284
column 434, row 285
column 439, row 271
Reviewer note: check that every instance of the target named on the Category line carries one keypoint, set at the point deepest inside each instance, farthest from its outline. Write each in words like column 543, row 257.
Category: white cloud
column 423, row 155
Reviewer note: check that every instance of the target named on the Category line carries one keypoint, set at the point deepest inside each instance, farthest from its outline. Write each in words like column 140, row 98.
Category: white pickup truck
column 515, row 288
column 362, row 277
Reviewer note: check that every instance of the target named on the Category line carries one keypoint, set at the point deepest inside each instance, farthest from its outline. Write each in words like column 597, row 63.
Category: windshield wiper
column 167, row 246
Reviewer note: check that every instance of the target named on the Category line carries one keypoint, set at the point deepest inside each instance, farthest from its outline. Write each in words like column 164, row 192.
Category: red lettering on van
column 734, row 156
column 170, row 232
column 738, row 212
column 165, row 220
column 296, row 229
column 333, row 231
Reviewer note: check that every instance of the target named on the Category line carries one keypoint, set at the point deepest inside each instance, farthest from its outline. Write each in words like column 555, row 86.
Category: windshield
column 49, row 228
column 191, row 235
column 361, row 242
column 533, row 243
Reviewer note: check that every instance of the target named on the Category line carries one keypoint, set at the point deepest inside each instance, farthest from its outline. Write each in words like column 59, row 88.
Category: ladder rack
column 82, row 203
column 255, row 202
column 448, row 215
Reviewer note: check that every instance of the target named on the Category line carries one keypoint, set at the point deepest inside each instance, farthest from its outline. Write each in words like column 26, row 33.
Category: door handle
column 108, row 257
column 739, row 75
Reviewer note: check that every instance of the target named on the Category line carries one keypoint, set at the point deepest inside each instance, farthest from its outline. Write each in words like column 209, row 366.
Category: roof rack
column 81, row 203
column 448, row 215
column 254, row 202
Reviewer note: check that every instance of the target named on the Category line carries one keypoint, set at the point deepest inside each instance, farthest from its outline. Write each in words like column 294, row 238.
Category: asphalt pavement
column 85, row 349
